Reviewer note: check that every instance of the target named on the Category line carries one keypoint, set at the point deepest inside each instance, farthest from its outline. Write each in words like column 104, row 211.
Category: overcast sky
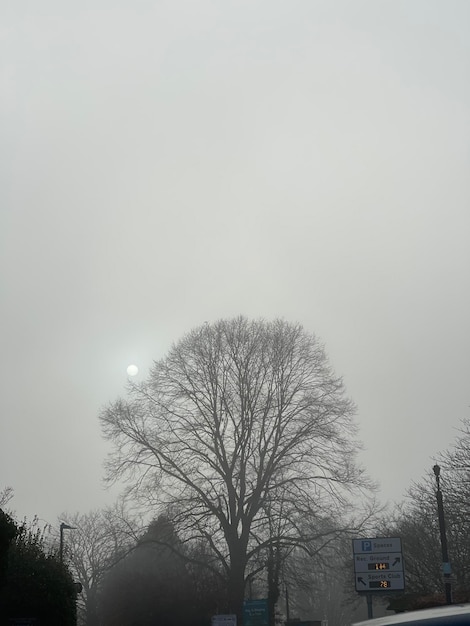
column 167, row 163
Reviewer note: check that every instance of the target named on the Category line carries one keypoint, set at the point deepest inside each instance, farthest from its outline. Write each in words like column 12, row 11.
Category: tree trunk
column 92, row 615
column 236, row 587
column 273, row 583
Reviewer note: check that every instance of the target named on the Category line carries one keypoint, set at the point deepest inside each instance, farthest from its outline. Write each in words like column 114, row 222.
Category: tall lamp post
column 442, row 529
column 63, row 526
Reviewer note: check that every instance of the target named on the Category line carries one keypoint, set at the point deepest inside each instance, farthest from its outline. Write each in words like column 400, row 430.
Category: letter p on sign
column 366, row 546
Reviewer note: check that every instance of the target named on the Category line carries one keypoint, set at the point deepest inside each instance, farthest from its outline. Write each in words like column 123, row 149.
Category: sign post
column 378, row 567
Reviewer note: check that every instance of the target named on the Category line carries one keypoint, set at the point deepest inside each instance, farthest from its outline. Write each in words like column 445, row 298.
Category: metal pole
column 442, row 530
column 61, row 545
column 63, row 527
column 369, row 606
column 287, row 606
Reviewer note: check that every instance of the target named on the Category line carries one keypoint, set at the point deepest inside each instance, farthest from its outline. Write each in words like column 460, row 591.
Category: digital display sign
column 378, row 565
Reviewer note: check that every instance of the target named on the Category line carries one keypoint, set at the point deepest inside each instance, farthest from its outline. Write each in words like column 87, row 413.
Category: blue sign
column 255, row 613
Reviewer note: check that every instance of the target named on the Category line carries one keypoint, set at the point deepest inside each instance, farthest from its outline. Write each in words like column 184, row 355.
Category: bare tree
column 455, row 481
column 6, row 494
column 242, row 422
column 99, row 540
column 417, row 522
column 456, row 473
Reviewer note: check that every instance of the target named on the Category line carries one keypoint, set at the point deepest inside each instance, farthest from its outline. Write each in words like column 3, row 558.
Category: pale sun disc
column 132, row 370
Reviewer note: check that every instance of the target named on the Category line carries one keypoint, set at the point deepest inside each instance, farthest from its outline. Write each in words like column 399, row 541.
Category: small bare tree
column 99, row 540
column 6, row 494
column 417, row 522
column 242, row 423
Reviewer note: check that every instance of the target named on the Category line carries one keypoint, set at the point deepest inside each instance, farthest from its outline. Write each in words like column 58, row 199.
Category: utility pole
column 442, row 529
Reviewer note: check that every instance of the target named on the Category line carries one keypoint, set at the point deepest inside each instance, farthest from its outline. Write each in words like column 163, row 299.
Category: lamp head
column 437, row 470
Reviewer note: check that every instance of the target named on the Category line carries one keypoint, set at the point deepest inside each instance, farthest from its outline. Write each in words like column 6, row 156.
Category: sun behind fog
column 132, row 370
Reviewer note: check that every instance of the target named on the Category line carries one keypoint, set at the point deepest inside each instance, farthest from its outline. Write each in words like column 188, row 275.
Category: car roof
column 449, row 614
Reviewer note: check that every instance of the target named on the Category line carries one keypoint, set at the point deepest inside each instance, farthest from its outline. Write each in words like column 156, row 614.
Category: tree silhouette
column 36, row 584
column 243, row 422
column 153, row 584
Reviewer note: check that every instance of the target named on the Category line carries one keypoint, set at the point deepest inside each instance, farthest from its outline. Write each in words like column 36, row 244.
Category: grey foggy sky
column 168, row 163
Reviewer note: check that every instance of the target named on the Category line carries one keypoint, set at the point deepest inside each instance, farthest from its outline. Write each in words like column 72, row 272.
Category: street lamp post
column 442, row 529
column 63, row 526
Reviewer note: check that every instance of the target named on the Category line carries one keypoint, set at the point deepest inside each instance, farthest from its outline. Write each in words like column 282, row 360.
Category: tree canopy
column 245, row 434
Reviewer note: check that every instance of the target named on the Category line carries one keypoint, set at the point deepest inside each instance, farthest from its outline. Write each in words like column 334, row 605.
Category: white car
column 447, row 615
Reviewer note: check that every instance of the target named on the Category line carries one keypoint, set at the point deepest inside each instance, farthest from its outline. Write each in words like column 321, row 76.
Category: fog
column 170, row 163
